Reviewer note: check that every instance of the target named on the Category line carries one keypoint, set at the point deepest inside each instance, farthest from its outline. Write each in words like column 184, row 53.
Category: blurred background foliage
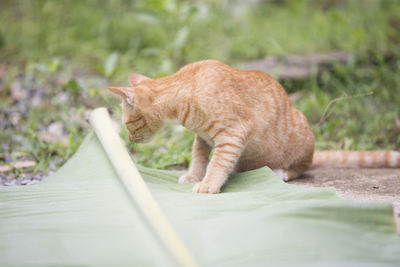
column 57, row 57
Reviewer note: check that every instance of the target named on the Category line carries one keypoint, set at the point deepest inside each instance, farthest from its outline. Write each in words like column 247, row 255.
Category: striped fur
column 245, row 116
column 357, row 159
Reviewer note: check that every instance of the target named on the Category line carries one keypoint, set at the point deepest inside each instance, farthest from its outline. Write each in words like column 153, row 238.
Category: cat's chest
column 202, row 134
column 206, row 138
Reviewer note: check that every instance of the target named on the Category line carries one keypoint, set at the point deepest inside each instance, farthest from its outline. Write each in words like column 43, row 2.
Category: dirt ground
column 363, row 185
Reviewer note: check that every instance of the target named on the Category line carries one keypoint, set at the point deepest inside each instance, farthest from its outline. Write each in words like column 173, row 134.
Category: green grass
column 366, row 121
column 66, row 52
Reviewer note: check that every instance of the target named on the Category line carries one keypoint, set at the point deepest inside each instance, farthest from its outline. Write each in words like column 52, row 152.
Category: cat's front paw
column 206, row 188
column 189, row 178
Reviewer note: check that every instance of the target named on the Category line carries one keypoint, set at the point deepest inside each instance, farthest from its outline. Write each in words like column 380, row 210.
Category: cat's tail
column 356, row 159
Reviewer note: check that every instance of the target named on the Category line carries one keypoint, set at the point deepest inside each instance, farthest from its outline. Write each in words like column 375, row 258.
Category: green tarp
column 82, row 216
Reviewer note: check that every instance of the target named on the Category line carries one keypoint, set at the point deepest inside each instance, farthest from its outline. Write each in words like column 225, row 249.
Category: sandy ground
column 363, row 185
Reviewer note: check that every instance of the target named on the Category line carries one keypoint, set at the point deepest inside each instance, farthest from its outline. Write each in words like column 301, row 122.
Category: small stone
column 17, row 92
column 56, row 128
column 62, row 98
column 32, row 182
column 24, row 182
column 36, row 101
column 11, row 183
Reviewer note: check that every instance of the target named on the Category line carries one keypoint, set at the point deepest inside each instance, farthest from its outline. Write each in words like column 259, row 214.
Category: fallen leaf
column 52, row 138
column 17, row 165
column 3, row 70
column 23, row 164
column 5, row 168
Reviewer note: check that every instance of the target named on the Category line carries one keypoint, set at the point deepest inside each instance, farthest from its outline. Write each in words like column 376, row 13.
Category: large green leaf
column 83, row 216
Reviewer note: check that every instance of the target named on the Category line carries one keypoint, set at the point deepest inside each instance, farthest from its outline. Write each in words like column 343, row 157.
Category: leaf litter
column 43, row 117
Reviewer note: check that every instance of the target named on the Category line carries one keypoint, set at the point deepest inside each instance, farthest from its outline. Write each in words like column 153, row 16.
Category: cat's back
column 214, row 76
column 204, row 69
column 213, row 68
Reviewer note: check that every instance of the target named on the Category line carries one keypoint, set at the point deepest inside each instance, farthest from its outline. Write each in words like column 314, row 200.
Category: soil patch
column 382, row 185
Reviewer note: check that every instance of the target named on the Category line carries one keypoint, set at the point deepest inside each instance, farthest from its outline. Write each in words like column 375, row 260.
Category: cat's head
column 138, row 112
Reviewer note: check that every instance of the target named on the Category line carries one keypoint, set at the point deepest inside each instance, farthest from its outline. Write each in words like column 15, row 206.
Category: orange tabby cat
column 245, row 116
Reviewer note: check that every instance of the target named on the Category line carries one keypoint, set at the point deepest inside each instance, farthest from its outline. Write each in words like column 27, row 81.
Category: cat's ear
column 124, row 92
column 135, row 79
column 135, row 95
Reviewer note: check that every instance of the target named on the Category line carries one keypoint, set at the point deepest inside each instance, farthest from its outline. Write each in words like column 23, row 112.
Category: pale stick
column 137, row 188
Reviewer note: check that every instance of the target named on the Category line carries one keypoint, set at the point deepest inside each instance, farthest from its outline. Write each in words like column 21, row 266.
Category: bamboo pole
column 137, row 188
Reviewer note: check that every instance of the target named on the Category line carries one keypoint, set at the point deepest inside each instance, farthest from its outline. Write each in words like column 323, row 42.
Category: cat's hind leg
column 287, row 175
column 297, row 169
